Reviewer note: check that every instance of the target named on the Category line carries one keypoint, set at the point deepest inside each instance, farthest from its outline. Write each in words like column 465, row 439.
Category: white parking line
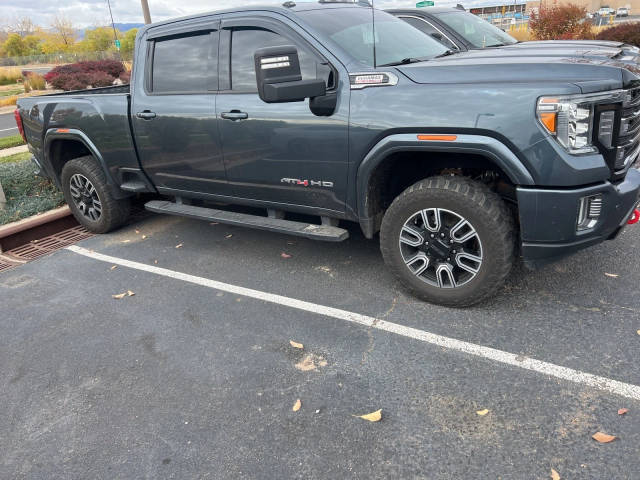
column 7, row 129
column 601, row 383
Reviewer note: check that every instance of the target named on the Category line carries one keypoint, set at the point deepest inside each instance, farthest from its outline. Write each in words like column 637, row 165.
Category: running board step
column 314, row 232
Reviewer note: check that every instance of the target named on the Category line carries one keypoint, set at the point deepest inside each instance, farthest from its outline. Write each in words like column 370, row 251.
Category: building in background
column 592, row 6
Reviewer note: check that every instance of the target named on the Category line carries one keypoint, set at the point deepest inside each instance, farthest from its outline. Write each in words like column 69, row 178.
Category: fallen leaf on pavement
column 285, row 255
column 213, row 223
column 126, row 241
column 179, row 245
column 622, row 411
column 372, row 417
column 482, row 413
column 114, row 267
column 155, row 261
column 603, row 437
column 229, row 236
column 137, row 231
column 297, row 405
column 130, row 293
column 118, row 296
column 144, row 236
column 613, row 275
column 296, row 344
column 638, row 332
column 554, row 475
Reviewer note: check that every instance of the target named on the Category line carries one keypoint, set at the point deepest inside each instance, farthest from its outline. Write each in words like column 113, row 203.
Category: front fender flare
column 492, row 149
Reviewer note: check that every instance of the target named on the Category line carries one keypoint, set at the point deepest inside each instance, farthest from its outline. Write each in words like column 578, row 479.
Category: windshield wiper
column 445, row 54
column 496, row 45
column 404, row 61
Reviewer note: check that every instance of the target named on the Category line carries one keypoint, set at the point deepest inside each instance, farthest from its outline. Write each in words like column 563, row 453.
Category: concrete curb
column 5, row 152
column 34, row 221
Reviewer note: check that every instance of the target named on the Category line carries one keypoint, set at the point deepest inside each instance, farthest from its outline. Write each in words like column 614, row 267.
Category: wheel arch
column 64, row 144
column 399, row 160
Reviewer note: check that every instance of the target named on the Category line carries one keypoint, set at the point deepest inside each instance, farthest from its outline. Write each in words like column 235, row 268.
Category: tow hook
column 635, row 217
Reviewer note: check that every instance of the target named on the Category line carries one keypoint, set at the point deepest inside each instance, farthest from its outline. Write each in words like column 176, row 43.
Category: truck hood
column 589, row 47
column 509, row 66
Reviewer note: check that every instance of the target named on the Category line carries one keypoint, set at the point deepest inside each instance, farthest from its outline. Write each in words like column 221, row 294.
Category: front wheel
column 85, row 189
column 450, row 240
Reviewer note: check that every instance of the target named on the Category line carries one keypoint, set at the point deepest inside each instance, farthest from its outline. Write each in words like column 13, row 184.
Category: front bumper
column 548, row 218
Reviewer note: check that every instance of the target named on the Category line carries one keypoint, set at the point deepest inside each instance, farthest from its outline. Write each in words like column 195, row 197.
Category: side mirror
column 279, row 79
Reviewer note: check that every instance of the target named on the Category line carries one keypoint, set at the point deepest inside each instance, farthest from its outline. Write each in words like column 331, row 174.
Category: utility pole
column 145, row 11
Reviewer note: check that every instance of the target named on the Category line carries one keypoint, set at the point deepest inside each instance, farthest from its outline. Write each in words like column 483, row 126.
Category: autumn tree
column 98, row 39
column 560, row 22
column 127, row 42
column 63, row 29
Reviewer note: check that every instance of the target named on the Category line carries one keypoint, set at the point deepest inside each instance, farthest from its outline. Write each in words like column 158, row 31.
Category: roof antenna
column 373, row 28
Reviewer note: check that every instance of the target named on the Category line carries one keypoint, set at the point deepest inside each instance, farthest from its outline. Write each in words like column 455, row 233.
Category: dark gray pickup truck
column 460, row 162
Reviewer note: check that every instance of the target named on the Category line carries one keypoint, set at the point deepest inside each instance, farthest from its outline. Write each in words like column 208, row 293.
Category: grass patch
column 13, row 91
column 27, row 194
column 12, row 141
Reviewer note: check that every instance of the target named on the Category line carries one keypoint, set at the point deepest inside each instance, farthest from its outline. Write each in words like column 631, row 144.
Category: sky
column 87, row 13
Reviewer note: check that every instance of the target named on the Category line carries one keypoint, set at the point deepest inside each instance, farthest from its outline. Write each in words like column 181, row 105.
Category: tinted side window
column 420, row 25
column 244, row 43
column 183, row 64
column 429, row 29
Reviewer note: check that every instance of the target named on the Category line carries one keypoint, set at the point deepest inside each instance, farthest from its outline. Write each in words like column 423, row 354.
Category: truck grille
column 628, row 145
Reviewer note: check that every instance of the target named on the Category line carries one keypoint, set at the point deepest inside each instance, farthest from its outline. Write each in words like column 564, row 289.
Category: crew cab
column 460, row 163
column 460, row 30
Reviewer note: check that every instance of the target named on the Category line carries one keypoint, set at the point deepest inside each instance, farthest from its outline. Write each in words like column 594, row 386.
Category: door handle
column 235, row 115
column 146, row 115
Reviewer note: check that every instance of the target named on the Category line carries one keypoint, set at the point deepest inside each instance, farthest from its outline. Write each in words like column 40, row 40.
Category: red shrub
column 68, row 81
column 99, row 79
column 69, row 69
column 125, row 77
column 560, row 22
column 112, row 67
column 627, row 32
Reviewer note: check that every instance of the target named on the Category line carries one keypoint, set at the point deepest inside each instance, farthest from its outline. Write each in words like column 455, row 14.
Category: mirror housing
column 279, row 78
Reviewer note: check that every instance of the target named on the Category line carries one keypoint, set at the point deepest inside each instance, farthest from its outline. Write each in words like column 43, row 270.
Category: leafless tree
column 23, row 26
column 63, row 28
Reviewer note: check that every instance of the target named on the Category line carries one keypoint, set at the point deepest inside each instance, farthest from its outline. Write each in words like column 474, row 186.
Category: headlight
column 570, row 119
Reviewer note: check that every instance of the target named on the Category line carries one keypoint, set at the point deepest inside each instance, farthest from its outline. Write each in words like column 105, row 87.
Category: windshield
column 475, row 30
column 351, row 29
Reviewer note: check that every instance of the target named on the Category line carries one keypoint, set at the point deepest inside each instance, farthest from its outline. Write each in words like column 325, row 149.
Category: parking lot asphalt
column 7, row 125
column 186, row 381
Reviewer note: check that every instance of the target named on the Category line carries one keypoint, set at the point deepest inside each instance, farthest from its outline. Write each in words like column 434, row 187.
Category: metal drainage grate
column 6, row 265
column 46, row 245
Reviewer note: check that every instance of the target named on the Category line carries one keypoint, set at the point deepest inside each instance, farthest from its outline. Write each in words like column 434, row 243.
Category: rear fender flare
column 79, row 136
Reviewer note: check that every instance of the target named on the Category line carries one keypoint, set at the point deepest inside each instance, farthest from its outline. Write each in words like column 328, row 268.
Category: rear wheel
column 450, row 240
column 85, row 189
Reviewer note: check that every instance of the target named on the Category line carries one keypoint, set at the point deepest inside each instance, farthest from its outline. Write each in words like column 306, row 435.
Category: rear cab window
column 183, row 63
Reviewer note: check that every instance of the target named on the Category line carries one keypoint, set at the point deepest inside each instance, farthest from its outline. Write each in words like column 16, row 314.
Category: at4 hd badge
column 307, row 183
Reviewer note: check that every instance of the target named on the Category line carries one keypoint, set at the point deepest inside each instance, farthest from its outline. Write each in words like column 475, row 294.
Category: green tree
column 15, row 46
column 127, row 41
column 99, row 39
column 32, row 45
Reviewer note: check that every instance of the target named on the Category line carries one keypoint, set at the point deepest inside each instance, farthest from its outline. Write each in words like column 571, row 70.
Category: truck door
column 280, row 152
column 173, row 110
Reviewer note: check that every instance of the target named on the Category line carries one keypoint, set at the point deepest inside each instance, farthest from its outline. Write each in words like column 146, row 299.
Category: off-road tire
column 483, row 208
column 114, row 211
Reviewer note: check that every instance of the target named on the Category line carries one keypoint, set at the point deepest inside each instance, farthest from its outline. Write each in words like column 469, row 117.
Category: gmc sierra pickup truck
column 460, row 163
